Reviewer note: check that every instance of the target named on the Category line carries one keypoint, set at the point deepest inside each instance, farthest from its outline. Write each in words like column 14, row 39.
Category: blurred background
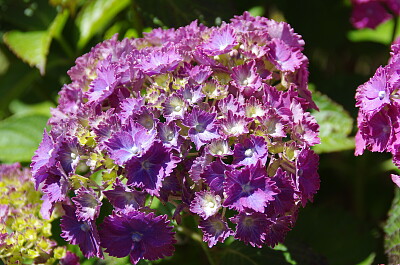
column 40, row 40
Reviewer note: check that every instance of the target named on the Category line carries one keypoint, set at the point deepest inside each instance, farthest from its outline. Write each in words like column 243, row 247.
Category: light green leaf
column 257, row 11
column 392, row 231
column 335, row 125
column 32, row 47
column 19, row 108
column 20, row 137
column 95, row 16
column 369, row 260
column 381, row 34
column 58, row 24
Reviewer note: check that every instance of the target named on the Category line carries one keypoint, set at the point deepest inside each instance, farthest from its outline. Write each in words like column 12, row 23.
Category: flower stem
column 197, row 237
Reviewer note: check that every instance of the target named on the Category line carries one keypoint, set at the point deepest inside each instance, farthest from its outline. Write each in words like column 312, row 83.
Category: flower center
column 247, row 188
column 199, row 128
column 170, row 136
column 249, row 152
column 134, row 150
column 84, row 227
column 136, row 237
column 210, row 204
column 177, row 108
column 146, row 165
column 381, row 94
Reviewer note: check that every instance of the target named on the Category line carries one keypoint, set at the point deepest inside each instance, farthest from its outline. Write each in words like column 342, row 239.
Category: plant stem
column 197, row 237
column 64, row 45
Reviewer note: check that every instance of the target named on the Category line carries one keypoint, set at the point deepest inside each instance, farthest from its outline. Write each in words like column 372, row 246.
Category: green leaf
column 31, row 47
column 239, row 254
column 95, row 16
column 3, row 63
column 335, row 125
column 19, row 108
column 257, row 11
column 58, row 24
column 381, row 34
column 392, row 230
column 369, row 260
column 20, row 137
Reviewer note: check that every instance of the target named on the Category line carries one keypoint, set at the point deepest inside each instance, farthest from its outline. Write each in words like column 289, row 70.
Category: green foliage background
column 40, row 40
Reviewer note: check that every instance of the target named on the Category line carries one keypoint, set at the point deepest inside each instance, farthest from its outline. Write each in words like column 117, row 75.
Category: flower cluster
column 24, row 234
column 379, row 111
column 371, row 13
column 211, row 120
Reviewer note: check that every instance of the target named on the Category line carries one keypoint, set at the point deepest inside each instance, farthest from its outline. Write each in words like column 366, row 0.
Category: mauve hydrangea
column 372, row 13
column 212, row 120
column 379, row 111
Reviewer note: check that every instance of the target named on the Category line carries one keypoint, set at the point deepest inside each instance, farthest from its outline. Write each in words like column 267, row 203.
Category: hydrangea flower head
column 369, row 13
column 200, row 118
column 379, row 112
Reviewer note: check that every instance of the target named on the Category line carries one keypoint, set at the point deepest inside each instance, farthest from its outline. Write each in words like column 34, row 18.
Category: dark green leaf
column 392, row 231
column 20, row 137
column 3, row 63
column 239, row 254
column 335, row 125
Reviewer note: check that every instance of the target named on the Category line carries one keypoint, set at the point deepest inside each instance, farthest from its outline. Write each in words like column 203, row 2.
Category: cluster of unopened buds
column 211, row 121
column 24, row 234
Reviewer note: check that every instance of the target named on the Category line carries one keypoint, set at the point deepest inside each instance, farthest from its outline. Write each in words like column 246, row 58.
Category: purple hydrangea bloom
column 43, row 159
column 284, row 57
column 368, row 13
column 375, row 94
column 205, row 204
column 159, row 60
column 214, row 174
column 82, row 233
column 306, row 174
column 250, row 151
column 246, row 78
column 284, row 201
column 251, row 228
column 87, row 204
column 149, row 170
column 169, row 135
column 214, row 230
column 139, row 235
column 105, row 83
column 221, row 41
column 174, row 107
column 202, row 126
column 132, row 141
column 234, row 125
column 277, row 230
column 122, row 197
column 219, row 148
column 249, row 188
